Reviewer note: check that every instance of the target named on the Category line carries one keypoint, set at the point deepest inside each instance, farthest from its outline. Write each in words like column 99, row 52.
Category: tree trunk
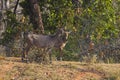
column 16, row 6
column 7, row 4
column 35, row 15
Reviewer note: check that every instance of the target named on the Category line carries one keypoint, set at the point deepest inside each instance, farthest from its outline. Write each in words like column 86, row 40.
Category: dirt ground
column 13, row 69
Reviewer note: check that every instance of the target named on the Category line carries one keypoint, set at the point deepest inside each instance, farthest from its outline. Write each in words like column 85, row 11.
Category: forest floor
column 13, row 69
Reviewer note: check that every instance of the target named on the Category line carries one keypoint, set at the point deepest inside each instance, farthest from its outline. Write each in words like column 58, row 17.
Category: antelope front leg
column 26, row 54
column 59, row 58
column 50, row 54
column 23, row 55
column 61, row 54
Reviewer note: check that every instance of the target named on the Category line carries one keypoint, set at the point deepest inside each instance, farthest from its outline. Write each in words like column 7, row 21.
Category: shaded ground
column 13, row 69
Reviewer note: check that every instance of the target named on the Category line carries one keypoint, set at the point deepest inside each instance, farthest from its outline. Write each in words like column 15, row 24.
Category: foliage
column 98, row 19
column 12, row 28
column 57, row 14
column 94, row 19
column 54, row 13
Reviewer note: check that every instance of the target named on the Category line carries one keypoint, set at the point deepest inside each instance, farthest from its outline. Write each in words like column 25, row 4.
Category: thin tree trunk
column 35, row 15
column 7, row 4
column 2, row 4
column 16, row 6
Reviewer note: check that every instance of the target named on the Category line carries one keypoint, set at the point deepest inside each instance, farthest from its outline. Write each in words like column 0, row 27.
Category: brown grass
column 13, row 69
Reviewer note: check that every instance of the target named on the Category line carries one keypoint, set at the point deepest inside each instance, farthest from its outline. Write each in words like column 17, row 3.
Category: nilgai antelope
column 61, row 42
column 46, row 42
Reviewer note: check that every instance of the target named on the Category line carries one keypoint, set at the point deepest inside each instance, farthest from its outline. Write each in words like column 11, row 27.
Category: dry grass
column 14, row 69
column 2, row 58
column 108, row 71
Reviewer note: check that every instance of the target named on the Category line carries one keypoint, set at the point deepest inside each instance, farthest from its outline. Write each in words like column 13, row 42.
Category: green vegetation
column 95, row 21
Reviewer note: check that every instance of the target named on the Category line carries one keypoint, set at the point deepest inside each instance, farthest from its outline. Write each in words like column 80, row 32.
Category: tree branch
column 16, row 6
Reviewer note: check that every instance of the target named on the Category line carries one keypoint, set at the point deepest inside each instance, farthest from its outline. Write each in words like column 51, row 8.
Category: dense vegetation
column 94, row 24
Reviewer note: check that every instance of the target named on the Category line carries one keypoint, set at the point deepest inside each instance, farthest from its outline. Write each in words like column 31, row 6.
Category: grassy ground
column 13, row 69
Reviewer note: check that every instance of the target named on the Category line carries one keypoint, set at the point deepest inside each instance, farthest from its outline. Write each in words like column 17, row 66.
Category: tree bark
column 35, row 15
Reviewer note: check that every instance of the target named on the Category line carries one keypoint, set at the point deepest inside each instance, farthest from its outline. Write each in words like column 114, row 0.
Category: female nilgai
column 61, row 42
column 46, row 42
